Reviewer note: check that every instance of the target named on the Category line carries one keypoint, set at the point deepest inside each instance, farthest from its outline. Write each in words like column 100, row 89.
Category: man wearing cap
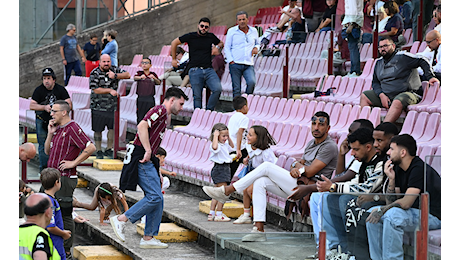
column 68, row 48
column 43, row 98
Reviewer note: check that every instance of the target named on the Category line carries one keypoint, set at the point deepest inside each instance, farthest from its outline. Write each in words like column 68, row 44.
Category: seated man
column 173, row 76
column 406, row 174
column 296, row 32
column 432, row 53
column 283, row 24
column 320, row 157
column 396, row 84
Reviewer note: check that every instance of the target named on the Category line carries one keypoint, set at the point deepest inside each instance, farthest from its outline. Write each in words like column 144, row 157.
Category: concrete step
column 171, row 233
column 108, row 164
column 106, row 252
column 232, row 209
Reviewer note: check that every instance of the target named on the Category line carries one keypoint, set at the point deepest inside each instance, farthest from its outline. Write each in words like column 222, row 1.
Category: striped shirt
column 100, row 79
column 157, row 121
column 67, row 143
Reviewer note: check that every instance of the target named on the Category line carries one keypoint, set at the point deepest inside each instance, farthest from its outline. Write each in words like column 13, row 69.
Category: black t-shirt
column 414, row 178
column 44, row 96
column 92, row 51
column 329, row 12
column 200, row 48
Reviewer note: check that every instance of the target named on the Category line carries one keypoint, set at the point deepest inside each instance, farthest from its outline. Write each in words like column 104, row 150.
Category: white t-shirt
column 259, row 156
column 237, row 121
column 221, row 154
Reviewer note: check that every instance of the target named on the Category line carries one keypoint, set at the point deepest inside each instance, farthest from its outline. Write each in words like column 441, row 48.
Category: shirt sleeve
column 109, row 48
column 64, row 94
column 214, row 151
column 228, row 46
column 41, row 244
column 374, row 181
column 80, row 139
column 269, row 156
column 327, row 153
column 93, row 80
column 63, row 41
column 154, row 114
column 215, row 40
column 184, row 38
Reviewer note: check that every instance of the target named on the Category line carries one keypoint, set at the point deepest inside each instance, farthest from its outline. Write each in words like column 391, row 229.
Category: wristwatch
column 376, row 197
column 333, row 187
column 293, row 164
column 116, row 76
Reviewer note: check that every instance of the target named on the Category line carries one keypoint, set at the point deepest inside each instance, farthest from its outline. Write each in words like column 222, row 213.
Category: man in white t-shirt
column 237, row 129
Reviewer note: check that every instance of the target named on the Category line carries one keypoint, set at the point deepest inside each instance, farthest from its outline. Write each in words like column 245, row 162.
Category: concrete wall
column 144, row 34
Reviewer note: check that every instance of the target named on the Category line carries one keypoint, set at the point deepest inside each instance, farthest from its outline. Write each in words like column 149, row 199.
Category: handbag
column 245, row 170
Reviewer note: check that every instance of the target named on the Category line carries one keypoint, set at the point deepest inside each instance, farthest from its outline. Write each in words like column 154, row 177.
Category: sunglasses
column 145, row 62
column 320, row 119
column 204, row 26
column 384, row 46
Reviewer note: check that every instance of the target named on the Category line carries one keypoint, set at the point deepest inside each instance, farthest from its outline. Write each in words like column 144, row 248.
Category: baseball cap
column 48, row 72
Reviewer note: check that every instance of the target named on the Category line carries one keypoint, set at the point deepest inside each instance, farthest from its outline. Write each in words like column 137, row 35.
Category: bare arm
column 174, row 44
column 143, row 132
column 59, row 232
column 89, row 149
column 61, row 50
column 37, row 107
column 82, row 53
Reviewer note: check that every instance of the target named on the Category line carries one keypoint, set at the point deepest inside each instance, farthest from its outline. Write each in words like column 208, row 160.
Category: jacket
column 399, row 73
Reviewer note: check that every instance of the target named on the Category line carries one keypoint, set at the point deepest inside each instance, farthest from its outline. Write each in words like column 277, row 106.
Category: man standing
column 396, row 83
column 407, row 174
column 138, row 169
column 27, row 152
column 241, row 44
column 67, row 146
column 68, row 48
column 146, row 81
column 103, row 83
column 112, row 47
column 43, row 98
column 201, row 72
column 351, row 31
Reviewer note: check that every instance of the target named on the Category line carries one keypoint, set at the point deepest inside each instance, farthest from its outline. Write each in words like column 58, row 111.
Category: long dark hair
column 264, row 138
column 104, row 190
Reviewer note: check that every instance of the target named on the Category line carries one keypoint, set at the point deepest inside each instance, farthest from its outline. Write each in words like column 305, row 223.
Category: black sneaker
column 99, row 155
column 109, row 153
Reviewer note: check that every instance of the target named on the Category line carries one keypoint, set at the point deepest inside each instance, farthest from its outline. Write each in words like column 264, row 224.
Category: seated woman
column 394, row 26
column 326, row 21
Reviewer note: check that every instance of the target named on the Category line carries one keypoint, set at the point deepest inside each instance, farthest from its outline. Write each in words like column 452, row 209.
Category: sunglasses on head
column 320, row 119
column 204, row 26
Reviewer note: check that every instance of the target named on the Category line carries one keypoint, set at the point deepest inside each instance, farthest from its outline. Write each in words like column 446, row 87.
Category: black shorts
column 221, row 173
column 101, row 119
column 144, row 103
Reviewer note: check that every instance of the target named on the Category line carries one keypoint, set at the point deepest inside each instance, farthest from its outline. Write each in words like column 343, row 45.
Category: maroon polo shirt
column 157, row 121
column 67, row 143
column 145, row 87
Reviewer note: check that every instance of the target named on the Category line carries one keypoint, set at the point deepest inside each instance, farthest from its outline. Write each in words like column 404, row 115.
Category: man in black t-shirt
column 43, row 98
column 201, row 72
column 406, row 174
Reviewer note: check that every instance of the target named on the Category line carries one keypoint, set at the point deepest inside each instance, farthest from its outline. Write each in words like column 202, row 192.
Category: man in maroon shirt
column 138, row 169
column 64, row 142
column 146, row 81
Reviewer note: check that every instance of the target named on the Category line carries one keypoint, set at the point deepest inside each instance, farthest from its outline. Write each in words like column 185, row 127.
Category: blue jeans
column 353, row 40
column 386, row 237
column 41, row 138
column 241, row 70
column 325, row 29
column 199, row 77
column 152, row 204
column 334, row 220
column 75, row 66
column 320, row 217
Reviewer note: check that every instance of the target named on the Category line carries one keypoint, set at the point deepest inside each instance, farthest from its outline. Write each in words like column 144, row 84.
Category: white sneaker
column 243, row 220
column 118, row 227
column 152, row 243
column 217, row 193
column 221, row 218
column 274, row 29
column 255, row 236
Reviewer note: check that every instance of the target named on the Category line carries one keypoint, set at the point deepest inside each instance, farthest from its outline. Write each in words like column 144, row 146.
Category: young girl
column 258, row 147
column 220, row 173
column 107, row 198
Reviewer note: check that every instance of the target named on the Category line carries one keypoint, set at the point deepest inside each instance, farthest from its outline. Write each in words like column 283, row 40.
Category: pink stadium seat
column 432, row 125
column 420, row 125
column 311, row 109
column 293, row 111
column 429, row 95
column 374, row 116
column 409, row 122
column 435, row 107
column 365, row 112
column 288, row 142
column 299, row 144
column 342, row 123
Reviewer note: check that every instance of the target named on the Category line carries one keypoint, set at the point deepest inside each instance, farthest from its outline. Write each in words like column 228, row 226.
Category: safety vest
column 27, row 237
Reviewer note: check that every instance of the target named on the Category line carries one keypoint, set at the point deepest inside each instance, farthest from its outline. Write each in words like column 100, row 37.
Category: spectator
column 68, row 49
column 67, row 146
column 320, row 157
column 370, row 179
column 50, row 180
column 174, row 76
column 432, row 53
column 326, row 22
column 218, row 62
column 42, row 100
column 395, row 83
column 111, row 48
column 27, row 151
column 220, row 148
column 282, row 24
column 406, row 174
column 258, row 147
column 428, row 6
column 394, row 26
column 103, row 83
column 34, row 240
column 146, row 81
column 241, row 44
column 138, row 169
column 201, row 72
column 237, row 128
column 104, row 39
column 313, row 11
column 383, row 19
column 107, row 197
column 351, row 31
column 93, row 52
column 437, row 18
column 296, row 32
column 24, row 193
column 405, row 10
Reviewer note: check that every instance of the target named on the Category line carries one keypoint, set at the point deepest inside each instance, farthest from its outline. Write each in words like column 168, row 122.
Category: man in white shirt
column 432, row 53
column 241, row 44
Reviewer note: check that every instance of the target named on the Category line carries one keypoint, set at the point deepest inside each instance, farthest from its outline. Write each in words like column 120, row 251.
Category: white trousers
column 266, row 177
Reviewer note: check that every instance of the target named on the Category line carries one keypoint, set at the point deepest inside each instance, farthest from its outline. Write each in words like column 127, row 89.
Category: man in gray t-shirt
column 68, row 48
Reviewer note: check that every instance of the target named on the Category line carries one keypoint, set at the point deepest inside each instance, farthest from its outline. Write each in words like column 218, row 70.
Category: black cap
column 48, row 72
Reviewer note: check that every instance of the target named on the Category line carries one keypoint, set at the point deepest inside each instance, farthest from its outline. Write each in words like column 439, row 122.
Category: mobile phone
column 319, row 178
column 302, row 170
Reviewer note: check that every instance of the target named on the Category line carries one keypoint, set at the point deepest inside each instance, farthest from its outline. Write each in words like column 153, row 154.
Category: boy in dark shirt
column 93, row 52
column 146, row 81
column 406, row 174
column 201, row 72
